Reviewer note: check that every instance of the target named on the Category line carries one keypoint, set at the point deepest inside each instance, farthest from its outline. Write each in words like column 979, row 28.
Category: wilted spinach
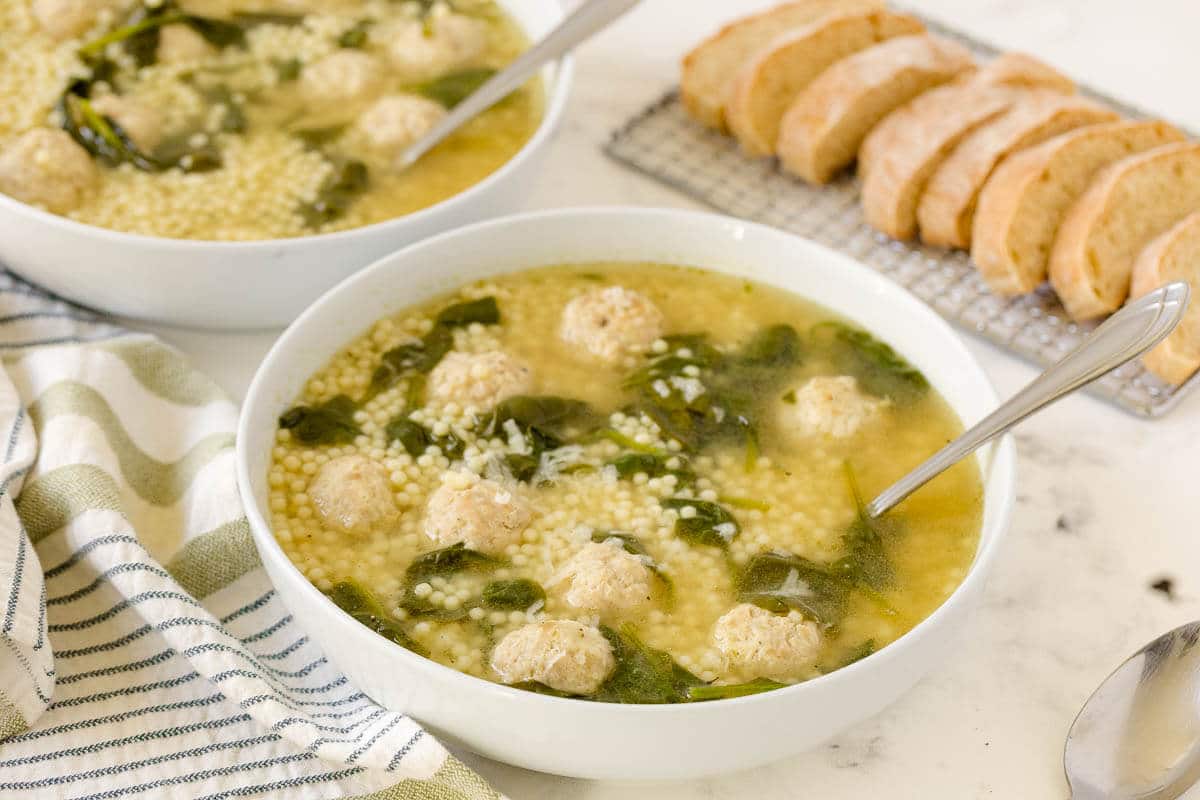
column 654, row 466
column 865, row 563
column 355, row 37
column 642, row 673
column 357, row 601
column 350, row 179
column 542, row 421
column 712, row 524
column 878, row 368
column 331, row 422
column 512, row 595
column 420, row 357
column 779, row 581
column 441, row 563
column 415, row 438
column 724, row 691
column 140, row 33
column 452, row 88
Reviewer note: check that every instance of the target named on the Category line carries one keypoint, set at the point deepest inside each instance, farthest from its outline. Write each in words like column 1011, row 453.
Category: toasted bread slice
column 947, row 208
column 823, row 129
column 898, row 157
column 1022, row 204
column 772, row 80
column 1173, row 256
column 710, row 67
column 1129, row 203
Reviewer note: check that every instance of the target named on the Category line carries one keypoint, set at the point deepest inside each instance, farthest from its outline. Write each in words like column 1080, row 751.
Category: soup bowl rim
column 1002, row 467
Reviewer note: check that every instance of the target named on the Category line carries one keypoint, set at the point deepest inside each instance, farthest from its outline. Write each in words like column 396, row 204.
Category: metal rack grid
column 664, row 143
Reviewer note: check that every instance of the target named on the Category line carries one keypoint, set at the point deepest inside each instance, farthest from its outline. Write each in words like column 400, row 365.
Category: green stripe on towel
column 213, row 560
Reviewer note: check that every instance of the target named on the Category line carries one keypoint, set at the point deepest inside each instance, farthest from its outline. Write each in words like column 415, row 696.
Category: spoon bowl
column 1138, row 735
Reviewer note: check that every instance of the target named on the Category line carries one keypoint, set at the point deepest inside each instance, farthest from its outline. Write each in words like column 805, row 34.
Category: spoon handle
column 1123, row 337
column 588, row 19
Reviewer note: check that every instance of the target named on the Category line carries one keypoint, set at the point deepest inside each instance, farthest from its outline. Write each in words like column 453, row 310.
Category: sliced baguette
column 772, row 80
column 1129, row 203
column 821, row 132
column 710, row 67
column 1173, row 256
column 1022, row 204
column 947, row 207
column 898, row 157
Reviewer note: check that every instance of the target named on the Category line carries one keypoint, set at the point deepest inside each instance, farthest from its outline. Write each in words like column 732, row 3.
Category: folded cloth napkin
column 143, row 652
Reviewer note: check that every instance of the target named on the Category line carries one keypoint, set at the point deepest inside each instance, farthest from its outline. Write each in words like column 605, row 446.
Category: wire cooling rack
column 664, row 143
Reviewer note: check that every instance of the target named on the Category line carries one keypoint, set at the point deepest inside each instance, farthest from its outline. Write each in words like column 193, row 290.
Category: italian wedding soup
column 627, row 483
column 249, row 119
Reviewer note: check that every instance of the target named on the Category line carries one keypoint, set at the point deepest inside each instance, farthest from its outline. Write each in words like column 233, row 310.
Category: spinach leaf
column 355, row 37
column 331, row 422
column 441, row 563
column 633, row 545
column 630, row 464
column 349, row 180
column 865, row 563
column 139, row 35
column 289, row 69
column 779, row 581
column 512, row 595
column 712, row 525
column 878, row 368
column 417, row 358
column 484, row 311
column 721, row 692
column 642, row 673
column 415, row 438
column 357, row 601
column 698, row 395
column 542, row 422
column 98, row 134
column 541, row 688
column 452, row 88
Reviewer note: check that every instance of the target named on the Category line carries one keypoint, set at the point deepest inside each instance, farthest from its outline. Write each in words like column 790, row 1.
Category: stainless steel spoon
column 589, row 19
column 1123, row 337
column 1138, row 736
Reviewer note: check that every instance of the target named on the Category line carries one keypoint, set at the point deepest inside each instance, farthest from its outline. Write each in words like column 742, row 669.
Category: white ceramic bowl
column 596, row 740
column 256, row 284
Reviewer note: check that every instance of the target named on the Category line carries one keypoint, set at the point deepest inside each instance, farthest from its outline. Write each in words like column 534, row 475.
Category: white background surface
column 1107, row 502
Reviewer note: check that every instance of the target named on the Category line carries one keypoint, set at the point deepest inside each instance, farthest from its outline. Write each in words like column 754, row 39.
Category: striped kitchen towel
column 143, row 652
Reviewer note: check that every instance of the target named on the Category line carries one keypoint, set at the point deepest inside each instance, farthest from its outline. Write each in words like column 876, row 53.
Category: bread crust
column 767, row 85
column 947, row 207
column 1017, row 190
column 708, row 68
column 1091, row 263
column 821, row 132
column 1173, row 255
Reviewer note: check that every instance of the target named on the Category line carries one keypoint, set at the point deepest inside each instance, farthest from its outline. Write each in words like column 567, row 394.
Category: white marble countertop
column 1107, row 502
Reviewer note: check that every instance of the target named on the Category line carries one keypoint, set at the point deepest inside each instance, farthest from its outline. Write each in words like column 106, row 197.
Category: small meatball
column 66, row 19
column 605, row 579
column 478, row 512
column 421, row 50
column 831, row 406
column 45, row 167
column 352, row 494
column 765, row 645
column 396, row 121
column 610, row 323
column 143, row 123
column 562, row 654
column 480, row 379
column 341, row 80
column 178, row 44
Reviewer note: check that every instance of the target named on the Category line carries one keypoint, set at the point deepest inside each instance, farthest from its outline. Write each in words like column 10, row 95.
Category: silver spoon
column 1123, row 337
column 1138, row 736
column 589, row 19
